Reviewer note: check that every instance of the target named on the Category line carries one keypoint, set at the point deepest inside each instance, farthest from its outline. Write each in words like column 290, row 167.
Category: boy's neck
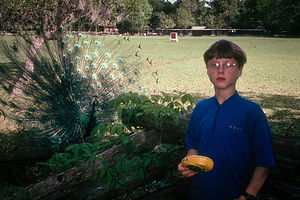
column 223, row 95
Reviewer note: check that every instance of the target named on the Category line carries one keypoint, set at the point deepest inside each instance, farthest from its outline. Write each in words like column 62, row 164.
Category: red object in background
column 173, row 35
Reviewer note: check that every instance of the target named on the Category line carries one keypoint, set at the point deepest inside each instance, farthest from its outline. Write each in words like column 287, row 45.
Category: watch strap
column 248, row 196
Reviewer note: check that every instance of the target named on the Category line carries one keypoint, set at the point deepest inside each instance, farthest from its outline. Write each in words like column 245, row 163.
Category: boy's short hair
column 225, row 49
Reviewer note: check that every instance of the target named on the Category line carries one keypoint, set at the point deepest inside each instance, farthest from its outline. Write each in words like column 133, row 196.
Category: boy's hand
column 241, row 198
column 186, row 172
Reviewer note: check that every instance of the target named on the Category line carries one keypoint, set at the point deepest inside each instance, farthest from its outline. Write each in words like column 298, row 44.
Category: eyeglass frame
column 216, row 66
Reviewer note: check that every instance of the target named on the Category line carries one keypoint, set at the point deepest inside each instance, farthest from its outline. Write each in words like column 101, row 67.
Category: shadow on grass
column 283, row 112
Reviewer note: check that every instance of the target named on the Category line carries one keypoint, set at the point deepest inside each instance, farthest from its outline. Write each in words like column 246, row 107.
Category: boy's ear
column 240, row 71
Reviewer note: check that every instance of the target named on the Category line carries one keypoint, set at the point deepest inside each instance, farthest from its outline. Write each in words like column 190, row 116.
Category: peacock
column 53, row 88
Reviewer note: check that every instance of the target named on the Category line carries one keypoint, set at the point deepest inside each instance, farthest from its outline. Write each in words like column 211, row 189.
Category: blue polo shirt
column 237, row 136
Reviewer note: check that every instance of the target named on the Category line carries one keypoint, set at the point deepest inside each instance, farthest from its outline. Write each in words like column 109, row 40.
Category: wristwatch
column 248, row 196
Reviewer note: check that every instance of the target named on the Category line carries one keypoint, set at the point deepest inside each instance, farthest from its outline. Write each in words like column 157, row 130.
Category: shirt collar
column 231, row 98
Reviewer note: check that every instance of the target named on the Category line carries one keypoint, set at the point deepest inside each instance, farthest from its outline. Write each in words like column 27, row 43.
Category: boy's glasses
column 216, row 66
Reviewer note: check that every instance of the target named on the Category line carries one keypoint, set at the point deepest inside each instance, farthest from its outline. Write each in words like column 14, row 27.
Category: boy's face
column 223, row 73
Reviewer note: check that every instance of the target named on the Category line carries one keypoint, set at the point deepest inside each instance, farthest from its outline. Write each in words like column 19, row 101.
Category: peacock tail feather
column 65, row 81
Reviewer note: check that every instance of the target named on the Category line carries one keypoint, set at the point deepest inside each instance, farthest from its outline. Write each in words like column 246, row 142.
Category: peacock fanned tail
column 65, row 81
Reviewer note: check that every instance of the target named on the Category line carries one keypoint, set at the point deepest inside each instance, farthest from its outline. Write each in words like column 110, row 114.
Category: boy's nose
column 221, row 68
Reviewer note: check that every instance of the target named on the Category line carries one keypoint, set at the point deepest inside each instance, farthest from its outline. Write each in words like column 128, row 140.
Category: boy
column 231, row 130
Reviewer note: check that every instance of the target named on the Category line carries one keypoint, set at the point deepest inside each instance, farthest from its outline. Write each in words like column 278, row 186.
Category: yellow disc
column 198, row 163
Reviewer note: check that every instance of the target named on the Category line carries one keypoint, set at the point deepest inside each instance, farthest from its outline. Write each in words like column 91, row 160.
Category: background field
column 272, row 67
column 271, row 76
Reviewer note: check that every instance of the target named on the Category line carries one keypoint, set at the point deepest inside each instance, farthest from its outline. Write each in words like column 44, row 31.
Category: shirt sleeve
column 261, row 141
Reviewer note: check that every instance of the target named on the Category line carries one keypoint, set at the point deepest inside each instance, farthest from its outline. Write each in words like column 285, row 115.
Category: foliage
column 275, row 16
column 190, row 5
column 203, row 15
column 124, row 26
column 226, row 13
column 47, row 17
column 137, row 13
column 135, row 159
column 138, row 162
column 126, row 165
column 160, row 107
column 76, row 154
column 184, row 19
column 167, row 22
column 155, row 19
column 161, row 20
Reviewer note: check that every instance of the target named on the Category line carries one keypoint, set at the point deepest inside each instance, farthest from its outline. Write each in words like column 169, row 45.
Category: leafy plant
column 105, row 135
column 74, row 155
column 125, row 165
column 133, row 106
column 137, row 162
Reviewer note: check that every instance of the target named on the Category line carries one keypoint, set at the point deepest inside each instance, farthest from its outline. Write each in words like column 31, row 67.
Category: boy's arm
column 259, row 176
column 192, row 152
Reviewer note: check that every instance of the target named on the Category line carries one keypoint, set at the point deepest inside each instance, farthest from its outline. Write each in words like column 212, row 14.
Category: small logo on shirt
column 235, row 128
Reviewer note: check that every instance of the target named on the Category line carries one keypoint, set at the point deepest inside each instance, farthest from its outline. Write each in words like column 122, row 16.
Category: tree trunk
column 100, row 189
column 29, row 67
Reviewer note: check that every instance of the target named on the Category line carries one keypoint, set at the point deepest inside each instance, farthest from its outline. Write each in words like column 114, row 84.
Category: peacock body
column 64, row 82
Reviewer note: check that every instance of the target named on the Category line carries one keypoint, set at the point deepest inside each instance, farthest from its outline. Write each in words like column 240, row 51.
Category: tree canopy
column 131, row 16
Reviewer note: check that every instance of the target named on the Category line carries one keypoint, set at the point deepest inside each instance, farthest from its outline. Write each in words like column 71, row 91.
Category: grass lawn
column 271, row 76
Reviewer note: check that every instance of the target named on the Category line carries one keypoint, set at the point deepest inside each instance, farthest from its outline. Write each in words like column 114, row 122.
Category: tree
column 157, row 14
column 157, row 5
column 51, row 15
column 124, row 26
column 156, row 19
column 162, row 15
column 169, row 8
column 249, row 15
column 137, row 12
column 184, row 19
column 268, row 12
column 290, row 16
column 203, row 15
column 190, row 5
column 167, row 22
column 161, row 20
column 227, row 13
column 275, row 16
